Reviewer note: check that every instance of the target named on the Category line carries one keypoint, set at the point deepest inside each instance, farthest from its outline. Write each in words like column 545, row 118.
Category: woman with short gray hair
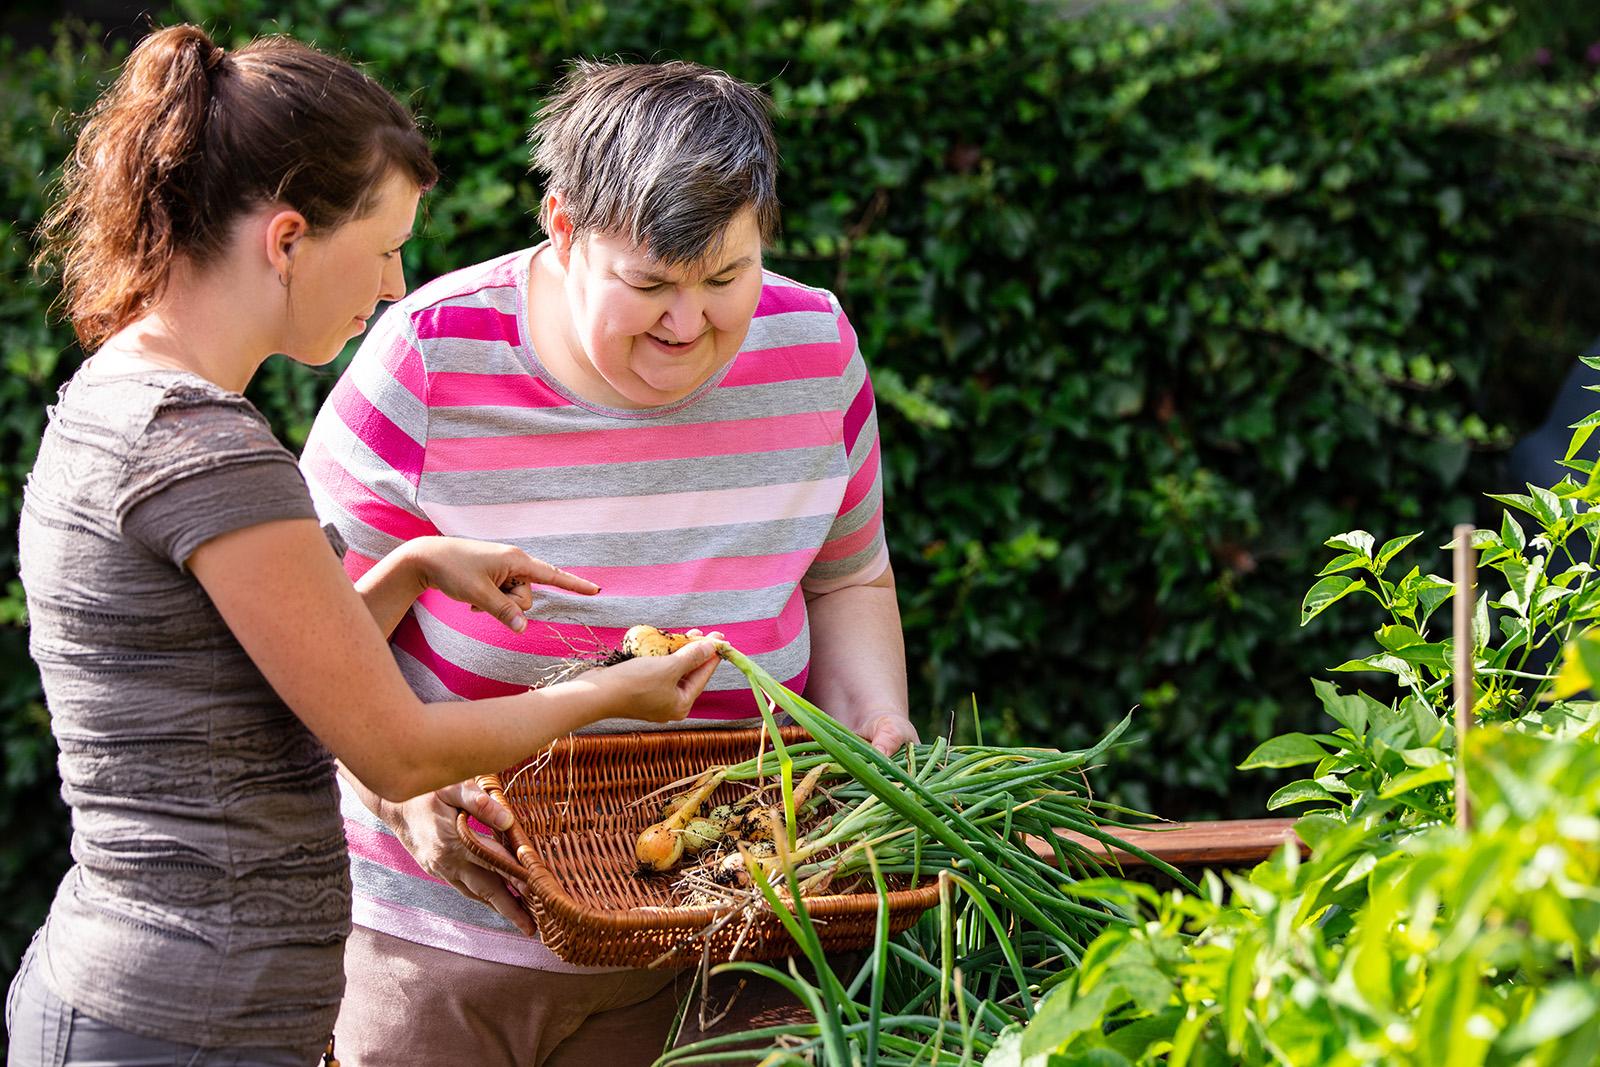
column 637, row 397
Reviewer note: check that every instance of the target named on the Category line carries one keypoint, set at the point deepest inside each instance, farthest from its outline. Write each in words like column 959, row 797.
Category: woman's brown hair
column 189, row 138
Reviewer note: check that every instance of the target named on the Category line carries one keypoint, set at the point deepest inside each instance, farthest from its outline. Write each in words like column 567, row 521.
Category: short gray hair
column 665, row 154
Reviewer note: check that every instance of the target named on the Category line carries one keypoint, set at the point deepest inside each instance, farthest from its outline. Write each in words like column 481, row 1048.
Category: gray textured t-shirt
column 211, row 894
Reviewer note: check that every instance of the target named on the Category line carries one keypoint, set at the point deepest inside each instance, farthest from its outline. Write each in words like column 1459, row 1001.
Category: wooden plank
column 1224, row 843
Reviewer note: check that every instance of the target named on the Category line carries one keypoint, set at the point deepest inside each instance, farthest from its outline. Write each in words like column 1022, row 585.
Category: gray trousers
column 45, row 1031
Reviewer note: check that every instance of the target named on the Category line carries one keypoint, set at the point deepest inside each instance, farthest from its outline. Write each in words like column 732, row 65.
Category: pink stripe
column 727, row 704
column 792, row 363
column 377, row 431
column 453, row 389
column 469, row 323
column 510, row 520
column 850, row 544
column 777, row 299
column 862, row 481
column 384, row 850
column 355, row 564
column 638, row 444
column 856, row 416
column 559, row 639
column 404, row 364
column 353, row 495
column 409, row 638
column 701, row 575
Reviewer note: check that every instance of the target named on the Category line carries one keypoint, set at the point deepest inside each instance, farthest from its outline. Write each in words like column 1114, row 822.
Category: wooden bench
column 1229, row 843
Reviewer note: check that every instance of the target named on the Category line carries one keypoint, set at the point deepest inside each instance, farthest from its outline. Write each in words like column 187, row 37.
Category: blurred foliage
column 1154, row 299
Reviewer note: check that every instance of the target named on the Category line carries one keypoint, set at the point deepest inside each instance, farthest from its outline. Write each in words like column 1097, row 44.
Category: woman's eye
column 645, row 288
column 719, row 283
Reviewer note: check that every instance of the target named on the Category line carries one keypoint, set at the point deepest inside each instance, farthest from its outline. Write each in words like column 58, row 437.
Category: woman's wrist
column 411, row 565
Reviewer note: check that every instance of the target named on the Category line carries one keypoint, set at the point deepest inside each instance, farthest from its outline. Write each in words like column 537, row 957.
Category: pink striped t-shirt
column 719, row 512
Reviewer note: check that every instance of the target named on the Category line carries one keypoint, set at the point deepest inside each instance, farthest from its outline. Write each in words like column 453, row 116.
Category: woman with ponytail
column 203, row 654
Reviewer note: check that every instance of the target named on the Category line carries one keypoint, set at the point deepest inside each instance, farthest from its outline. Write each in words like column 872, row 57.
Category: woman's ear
column 560, row 226
column 284, row 231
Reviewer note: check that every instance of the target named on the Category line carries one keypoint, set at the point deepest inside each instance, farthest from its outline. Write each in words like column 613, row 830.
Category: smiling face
column 339, row 277
column 643, row 334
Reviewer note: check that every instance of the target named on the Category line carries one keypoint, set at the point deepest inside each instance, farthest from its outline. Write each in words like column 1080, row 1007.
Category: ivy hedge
column 1156, row 299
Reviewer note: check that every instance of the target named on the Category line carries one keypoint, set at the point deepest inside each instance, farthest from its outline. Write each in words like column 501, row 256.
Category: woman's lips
column 675, row 349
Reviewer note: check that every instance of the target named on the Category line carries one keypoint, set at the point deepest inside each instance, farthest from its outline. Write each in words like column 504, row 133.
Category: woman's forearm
column 392, row 586
column 858, row 653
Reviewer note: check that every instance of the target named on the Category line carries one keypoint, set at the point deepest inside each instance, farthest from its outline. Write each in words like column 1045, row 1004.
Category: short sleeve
column 206, row 464
column 855, row 551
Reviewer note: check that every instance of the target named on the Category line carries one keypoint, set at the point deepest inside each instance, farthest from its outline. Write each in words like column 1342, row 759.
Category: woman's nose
column 685, row 318
column 394, row 281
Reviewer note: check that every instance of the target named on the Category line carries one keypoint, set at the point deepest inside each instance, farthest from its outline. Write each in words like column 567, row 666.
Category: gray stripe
column 792, row 328
column 428, row 688
column 474, row 487
column 679, row 546
column 381, row 390
column 375, row 880
column 851, row 564
column 465, row 355
column 850, row 380
column 858, row 516
column 725, row 403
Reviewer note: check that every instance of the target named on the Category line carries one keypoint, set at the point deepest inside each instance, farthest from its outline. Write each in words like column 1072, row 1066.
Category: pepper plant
column 1394, row 759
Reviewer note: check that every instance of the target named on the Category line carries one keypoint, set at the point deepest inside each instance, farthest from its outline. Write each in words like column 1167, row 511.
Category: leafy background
column 1155, row 302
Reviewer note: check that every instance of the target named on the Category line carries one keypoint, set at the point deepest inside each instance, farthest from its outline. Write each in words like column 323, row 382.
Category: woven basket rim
column 554, row 895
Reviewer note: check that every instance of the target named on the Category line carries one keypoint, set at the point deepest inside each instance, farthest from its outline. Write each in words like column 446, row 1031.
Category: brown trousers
column 407, row 1005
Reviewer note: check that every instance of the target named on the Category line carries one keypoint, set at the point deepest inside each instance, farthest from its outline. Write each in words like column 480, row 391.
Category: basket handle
column 490, row 784
column 469, row 840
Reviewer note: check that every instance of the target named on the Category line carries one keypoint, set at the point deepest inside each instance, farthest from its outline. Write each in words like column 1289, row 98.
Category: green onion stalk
column 962, row 814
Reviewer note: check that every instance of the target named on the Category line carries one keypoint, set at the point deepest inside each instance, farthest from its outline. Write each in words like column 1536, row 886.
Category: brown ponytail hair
column 189, row 138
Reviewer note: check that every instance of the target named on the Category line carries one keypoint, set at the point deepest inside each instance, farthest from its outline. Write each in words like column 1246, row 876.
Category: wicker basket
column 576, row 823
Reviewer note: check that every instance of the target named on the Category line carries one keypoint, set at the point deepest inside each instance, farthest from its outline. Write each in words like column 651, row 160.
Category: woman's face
column 338, row 278
column 652, row 334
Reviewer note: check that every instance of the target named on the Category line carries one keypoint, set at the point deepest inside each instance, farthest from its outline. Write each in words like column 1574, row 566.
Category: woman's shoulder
column 170, row 422
column 801, row 327
column 781, row 295
column 133, row 404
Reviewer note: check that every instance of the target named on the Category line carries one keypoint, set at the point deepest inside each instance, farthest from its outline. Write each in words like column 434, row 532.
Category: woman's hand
column 888, row 732
column 426, row 826
column 490, row 577
column 661, row 688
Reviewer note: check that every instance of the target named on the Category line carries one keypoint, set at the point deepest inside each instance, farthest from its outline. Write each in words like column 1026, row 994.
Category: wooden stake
column 1464, row 604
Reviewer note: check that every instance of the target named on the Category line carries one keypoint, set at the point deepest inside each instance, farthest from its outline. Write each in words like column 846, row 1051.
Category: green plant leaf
column 1285, row 750
column 1347, row 561
column 1511, row 534
column 1304, row 791
column 1357, row 541
column 1393, row 547
column 1416, row 778
column 1327, row 592
column 1348, row 711
column 1560, row 1009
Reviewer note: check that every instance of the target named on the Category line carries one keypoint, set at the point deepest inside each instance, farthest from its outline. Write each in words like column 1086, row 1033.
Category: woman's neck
column 192, row 328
